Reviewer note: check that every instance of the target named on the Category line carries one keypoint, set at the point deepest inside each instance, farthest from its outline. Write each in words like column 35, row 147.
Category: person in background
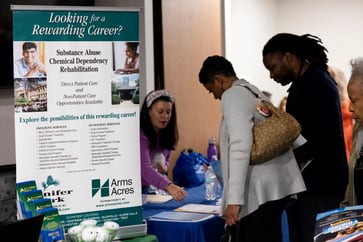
column 29, row 65
column 354, row 193
column 341, row 81
column 282, row 104
column 158, row 137
column 254, row 196
column 313, row 99
column 131, row 64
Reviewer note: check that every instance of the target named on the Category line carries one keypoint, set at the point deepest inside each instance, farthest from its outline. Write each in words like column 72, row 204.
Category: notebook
column 23, row 230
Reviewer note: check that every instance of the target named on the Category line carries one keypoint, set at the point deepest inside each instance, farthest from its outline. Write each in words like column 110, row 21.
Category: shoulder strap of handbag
column 250, row 89
column 261, row 107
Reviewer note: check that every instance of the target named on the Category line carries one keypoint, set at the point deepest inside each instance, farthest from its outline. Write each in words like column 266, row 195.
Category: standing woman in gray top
column 354, row 193
column 254, row 196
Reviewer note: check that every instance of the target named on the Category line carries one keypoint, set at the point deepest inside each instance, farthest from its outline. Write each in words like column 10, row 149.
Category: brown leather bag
column 274, row 135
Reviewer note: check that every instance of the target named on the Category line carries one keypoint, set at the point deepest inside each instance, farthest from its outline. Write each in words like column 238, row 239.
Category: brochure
column 158, row 198
column 340, row 225
column 181, row 216
column 199, row 208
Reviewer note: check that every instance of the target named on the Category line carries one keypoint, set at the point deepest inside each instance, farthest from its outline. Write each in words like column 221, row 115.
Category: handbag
column 274, row 135
column 231, row 233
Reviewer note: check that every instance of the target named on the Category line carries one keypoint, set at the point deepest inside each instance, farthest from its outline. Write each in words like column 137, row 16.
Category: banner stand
column 77, row 112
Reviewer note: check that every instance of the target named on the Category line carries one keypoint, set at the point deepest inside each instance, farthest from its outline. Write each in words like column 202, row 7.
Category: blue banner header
column 57, row 25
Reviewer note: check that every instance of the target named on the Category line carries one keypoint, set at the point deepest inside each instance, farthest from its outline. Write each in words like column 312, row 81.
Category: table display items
column 32, row 204
column 217, row 169
column 189, row 168
column 340, row 225
column 88, row 231
column 210, row 184
column 212, row 149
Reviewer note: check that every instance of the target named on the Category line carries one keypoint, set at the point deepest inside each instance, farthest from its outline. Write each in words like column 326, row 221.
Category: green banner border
column 75, row 25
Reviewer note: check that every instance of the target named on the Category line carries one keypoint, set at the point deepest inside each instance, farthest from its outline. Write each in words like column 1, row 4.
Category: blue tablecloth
column 205, row 231
column 209, row 230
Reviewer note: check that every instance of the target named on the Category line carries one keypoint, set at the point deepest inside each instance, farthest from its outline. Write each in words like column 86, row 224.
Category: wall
column 248, row 25
column 253, row 22
column 337, row 23
column 192, row 30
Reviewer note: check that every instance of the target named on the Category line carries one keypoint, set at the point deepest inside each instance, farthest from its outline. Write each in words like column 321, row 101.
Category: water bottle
column 210, row 184
column 216, row 165
column 212, row 149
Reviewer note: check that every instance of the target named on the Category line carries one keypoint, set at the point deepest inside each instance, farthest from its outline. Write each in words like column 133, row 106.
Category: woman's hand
column 120, row 71
column 177, row 193
column 162, row 168
column 231, row 214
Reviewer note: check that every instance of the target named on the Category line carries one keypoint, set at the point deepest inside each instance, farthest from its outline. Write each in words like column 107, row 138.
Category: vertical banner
column 76, row 110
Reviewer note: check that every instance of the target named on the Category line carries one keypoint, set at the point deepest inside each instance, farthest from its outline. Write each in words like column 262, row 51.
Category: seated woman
column 158, row 137
column 132, row 59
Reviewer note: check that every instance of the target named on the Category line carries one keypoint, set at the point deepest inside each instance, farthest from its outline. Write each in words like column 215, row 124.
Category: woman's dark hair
column 306, row 47
column 169, row 136
column 132, row 45
column 215, row 65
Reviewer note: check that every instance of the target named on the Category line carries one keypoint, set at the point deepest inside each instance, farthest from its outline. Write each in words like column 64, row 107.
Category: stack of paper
column 157, row 198
column 181, row 216
column 199, row 208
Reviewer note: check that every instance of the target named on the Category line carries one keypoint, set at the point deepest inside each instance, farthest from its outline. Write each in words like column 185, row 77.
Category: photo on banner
column 125, row 79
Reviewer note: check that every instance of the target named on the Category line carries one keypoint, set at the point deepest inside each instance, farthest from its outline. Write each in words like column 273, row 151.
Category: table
column 146, row 238
column 209, row 230
column 206, row 231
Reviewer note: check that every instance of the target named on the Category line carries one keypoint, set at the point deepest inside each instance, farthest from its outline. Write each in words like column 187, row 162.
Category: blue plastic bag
column 188, row 170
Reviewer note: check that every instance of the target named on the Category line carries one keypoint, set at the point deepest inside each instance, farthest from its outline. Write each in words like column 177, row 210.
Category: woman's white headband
column 156, row 94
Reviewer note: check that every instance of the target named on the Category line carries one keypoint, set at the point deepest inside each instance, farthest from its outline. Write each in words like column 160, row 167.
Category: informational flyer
column 77, row 110
column 340, row 225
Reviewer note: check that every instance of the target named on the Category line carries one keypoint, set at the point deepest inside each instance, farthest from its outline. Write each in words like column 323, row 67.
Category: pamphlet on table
column 340, row 225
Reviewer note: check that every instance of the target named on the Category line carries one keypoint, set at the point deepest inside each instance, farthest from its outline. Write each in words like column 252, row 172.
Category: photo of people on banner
column 30, row 83
column 126, row 77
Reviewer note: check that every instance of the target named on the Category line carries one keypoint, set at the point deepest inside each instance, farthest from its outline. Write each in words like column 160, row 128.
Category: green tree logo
column 50, row 181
